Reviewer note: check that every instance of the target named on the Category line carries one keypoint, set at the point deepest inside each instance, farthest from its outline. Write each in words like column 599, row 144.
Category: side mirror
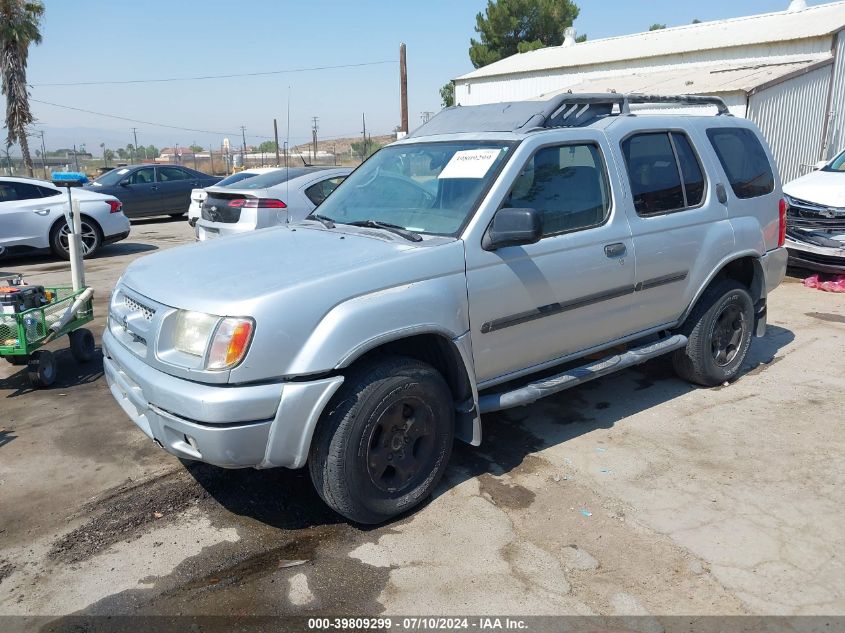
column 125, row 182
column 513, row 227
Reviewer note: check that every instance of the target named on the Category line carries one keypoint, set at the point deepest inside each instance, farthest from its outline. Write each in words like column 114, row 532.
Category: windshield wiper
column 326, row 222
column 393, row 228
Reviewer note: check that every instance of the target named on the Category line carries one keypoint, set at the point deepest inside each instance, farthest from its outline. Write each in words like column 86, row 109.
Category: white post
column 74, row 239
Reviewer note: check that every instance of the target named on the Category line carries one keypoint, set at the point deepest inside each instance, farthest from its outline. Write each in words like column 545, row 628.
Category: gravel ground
column 636, row 494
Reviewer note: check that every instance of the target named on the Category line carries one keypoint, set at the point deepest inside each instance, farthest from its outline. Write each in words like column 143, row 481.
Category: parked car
column 32, row 218
column 198, row 195
column 278, row 197
column 815, row 234
column 148, row 190
column 497, row 255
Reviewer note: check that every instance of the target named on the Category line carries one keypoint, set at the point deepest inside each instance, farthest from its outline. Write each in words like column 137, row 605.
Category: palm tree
column 19, row 22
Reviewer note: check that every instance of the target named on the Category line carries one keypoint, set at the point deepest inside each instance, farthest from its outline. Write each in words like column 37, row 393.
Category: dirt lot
column 636, row 494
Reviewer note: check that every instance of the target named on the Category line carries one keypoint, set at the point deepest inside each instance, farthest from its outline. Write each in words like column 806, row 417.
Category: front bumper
column 817, row 258
column 258, row 426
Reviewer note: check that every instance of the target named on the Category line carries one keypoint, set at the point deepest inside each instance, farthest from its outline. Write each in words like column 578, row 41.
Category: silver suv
column 499, row 254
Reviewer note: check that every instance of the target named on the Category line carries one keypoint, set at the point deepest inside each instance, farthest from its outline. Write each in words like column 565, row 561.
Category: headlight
column 223, row 342
column 193, row 329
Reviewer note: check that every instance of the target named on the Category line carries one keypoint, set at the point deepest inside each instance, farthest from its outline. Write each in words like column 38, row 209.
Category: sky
column 127, row 40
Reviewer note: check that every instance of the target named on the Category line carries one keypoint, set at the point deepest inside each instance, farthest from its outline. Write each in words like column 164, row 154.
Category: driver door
column 139, row 193
column 532, row 305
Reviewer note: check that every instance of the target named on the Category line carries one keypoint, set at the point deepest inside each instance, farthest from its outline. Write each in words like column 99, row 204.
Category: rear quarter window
column 744, row 161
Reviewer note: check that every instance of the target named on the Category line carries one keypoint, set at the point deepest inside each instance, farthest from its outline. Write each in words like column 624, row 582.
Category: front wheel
column 385, row 440
column 719, row 331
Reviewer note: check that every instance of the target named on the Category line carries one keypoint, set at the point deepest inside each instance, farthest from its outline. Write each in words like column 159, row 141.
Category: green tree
column 365, row 148
column 508, row 27
column 696, row 21
column 267, row 147
column 657, row 27
column 122, row 154
column 152, row 151
column 196, row 148
column 581, row 38
column 447, row 95
column 19, row 27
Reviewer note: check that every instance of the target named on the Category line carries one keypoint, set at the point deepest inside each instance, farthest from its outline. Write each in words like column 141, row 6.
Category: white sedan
column 198, row 196
column 815, row 218
column 32, row 218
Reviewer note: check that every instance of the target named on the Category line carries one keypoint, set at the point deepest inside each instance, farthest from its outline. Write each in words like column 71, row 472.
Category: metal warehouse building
column 785, row 71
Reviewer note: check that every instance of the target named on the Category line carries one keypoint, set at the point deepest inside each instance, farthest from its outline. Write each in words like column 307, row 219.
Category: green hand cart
column 22, row 334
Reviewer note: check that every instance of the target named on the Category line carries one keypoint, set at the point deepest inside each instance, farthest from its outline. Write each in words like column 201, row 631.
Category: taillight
column 115, row 206
column 782, row 222
column 257, row 203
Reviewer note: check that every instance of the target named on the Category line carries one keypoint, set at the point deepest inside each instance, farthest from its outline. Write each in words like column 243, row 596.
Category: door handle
column 41, row 211
column 154, row 188
column 615, row 250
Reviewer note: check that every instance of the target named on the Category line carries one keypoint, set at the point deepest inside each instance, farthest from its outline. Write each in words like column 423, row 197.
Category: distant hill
column 342, row 145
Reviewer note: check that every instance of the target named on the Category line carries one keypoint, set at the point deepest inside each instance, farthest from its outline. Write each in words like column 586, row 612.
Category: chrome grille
column 140, row 308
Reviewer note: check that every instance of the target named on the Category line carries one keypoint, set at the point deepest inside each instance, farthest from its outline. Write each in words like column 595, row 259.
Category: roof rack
column 563, row 110
column 578, row 110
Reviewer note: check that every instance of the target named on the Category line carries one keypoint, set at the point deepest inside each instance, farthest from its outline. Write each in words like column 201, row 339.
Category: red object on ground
column 836, row 283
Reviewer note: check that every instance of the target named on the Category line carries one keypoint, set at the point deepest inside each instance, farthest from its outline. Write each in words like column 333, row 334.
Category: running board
column 533, row 391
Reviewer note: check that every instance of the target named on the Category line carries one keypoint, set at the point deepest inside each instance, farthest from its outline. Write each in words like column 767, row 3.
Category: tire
column 367, row 466
column 92, row 238
column 41, row 369
column 82, row 345
column 719, row 330
column 16, row 360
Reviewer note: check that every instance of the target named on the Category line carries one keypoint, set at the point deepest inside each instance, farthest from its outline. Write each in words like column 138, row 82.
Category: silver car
column 497, row 255
column 32, row 218
column 270, row 199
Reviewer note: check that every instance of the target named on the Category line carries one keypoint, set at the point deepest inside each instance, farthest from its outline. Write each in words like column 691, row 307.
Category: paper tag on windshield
column 470, row 163
column 122, row 171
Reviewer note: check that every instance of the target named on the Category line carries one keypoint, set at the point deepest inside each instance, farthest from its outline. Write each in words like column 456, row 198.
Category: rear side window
column 168, row 174
column 744, row 161
column 664, row 172
column 567, row 185
column 320, row 191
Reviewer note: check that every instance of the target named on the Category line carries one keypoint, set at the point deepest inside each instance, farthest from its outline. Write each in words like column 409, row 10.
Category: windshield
column 425, row 187
column 112, row 177
column 838, row 164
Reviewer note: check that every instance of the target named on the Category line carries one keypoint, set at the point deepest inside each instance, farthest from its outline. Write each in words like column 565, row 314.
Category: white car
column 32, row 218
column 815, row 233
column 286, row 195
column 198, row 195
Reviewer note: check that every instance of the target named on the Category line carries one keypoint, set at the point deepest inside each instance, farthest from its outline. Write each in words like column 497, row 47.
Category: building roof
column 816, row 21
column 710, row 79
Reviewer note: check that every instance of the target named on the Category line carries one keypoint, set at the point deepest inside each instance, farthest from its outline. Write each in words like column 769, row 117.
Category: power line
column 202, row 77
column 123, row 118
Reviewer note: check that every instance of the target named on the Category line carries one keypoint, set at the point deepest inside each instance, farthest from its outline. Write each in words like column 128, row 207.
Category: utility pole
column 193, row 151
column 403, row 88
column 276, row 135
column 314, row 129
column 364, row 142
column 243, row 152
column 43, row 154
column 135, row 146
column 75, row 157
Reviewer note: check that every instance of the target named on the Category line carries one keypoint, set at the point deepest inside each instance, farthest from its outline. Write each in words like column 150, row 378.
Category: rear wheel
column 719, row 331
column 92, row 238
column 384, row 442
column 41, row 369
column 82, row 345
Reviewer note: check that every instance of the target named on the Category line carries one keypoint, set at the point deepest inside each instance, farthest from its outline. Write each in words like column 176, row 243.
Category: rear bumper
column 258, row 426
column 111, row 239
column 210, row 230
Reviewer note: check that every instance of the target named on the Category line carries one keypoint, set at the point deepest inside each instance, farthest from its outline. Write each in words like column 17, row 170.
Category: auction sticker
column 470, row 163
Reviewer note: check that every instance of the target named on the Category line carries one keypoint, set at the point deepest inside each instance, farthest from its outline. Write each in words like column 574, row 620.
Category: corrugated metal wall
column 791, row 116
column 836, row 131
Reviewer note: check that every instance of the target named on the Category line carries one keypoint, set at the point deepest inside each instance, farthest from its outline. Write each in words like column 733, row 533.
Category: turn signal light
column 230, row 343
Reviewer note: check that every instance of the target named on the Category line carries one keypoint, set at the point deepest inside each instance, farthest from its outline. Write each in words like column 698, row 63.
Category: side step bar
column 533, row 391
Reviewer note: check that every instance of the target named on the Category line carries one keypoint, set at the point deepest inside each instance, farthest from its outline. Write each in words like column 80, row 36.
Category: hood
column 826, row 188
column 233, row 276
